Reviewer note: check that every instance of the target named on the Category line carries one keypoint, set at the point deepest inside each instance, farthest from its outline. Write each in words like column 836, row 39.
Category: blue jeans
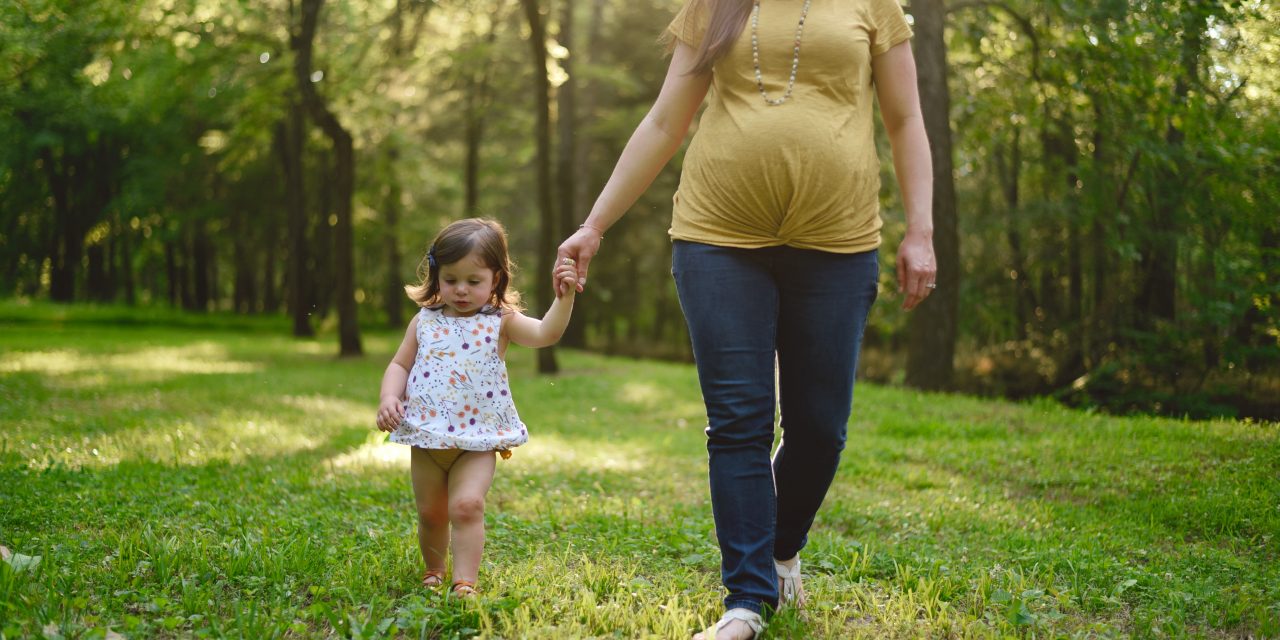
column 744, row 307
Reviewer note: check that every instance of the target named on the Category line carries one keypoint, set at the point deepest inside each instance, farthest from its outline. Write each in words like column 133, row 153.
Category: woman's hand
column 580, row 248
column 390, row 413
column 917, row 268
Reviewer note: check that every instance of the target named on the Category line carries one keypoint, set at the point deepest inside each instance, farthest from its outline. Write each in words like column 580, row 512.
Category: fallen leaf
column 21, row 562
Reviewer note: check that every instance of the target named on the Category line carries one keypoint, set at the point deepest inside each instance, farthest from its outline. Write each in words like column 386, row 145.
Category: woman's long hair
column 727, row 19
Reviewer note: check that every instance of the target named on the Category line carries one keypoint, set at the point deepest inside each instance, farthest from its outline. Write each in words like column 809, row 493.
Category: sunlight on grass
column 185, row 443
column 330, row 410
column 556, row 454
column 377, row 453
column 550, row 454
column 604, row 596
column 643, row 393
column 313, row 347
column 202, row 358
column 650, row 396
column 170, row 434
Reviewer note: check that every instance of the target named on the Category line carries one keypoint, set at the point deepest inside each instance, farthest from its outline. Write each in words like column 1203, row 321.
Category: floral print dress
column 458, row 395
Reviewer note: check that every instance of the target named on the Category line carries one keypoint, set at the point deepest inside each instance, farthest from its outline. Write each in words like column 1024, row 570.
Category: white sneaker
column 790, row 587
column 752, row 619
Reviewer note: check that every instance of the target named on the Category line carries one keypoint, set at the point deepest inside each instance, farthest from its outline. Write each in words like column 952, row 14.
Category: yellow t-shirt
column 804, row 173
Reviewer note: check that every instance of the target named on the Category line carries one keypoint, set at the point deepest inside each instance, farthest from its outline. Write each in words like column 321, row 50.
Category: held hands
column 565, row 277
column 390, row 413
column 580, row 248
column 917, row 269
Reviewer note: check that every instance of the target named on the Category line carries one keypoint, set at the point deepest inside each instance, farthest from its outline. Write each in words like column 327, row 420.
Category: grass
column 182, row 476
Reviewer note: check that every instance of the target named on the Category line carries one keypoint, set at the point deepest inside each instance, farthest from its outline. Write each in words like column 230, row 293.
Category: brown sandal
column 463, row 588
column 433, row 578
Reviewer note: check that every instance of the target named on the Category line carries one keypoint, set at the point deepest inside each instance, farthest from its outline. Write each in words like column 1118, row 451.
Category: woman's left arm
column 894, row 73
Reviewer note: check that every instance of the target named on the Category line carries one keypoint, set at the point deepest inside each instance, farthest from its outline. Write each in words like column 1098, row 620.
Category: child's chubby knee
column 466, row 508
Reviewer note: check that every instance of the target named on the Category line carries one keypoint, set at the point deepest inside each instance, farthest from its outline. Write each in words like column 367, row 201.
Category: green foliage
column 195, row 476
column 1110, row 166
column 1115, row 165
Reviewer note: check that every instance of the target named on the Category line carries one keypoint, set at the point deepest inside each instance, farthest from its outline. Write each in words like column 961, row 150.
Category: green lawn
column 185, row 476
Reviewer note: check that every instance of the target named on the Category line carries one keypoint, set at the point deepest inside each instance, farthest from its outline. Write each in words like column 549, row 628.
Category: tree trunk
column 590, row 96
column 476, row 113
column 1009, row 172
column 67, row 240
column 666, row 308
column 474, row 134
column 567, row 158
column 289, row 136
column 394, row 302
column 126, row 263
column 183, row 264
column 270, row 295
column 171, row 273
column 576, row 333
column 97, row 189
column 344, row 247
column 242, row 295
column 320, row 263
column 1157, row 295
column 343, row 179
column 96, row 282
column 631, row 308
column 932, row 327
column 200, row 267
column 400, row 46
column 115, row 276
column 1058, row 141
column 1250, row 330
column 547, row 232
column 1094, row 325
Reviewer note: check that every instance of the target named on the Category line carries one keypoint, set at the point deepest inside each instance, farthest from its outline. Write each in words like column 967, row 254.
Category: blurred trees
column 1114, row 171
column 1118, row 190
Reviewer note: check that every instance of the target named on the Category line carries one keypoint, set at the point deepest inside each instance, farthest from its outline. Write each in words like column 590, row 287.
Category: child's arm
column 390, row 407
column 534, row 333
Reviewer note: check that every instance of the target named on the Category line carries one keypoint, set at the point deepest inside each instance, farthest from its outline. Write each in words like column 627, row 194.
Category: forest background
column 1105, row 203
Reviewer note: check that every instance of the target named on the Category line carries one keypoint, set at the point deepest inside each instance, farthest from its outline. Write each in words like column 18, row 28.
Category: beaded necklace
column 755, row 53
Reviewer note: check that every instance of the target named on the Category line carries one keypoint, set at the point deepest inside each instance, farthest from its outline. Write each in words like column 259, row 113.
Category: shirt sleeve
column 690, row 25
column 888, row 26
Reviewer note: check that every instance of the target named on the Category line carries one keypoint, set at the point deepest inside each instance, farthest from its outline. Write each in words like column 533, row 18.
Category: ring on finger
column 567, row 261
column 932, row 285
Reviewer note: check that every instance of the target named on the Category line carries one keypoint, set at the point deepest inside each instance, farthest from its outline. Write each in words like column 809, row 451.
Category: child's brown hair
column 488, row 240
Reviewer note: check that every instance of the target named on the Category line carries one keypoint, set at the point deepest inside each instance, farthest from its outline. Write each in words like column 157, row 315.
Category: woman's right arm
column 654, row 142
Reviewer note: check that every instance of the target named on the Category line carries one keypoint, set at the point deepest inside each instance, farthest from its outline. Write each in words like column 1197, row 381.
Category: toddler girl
column 446, row 395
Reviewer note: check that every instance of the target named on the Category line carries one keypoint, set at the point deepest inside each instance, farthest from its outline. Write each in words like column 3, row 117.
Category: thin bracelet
column 593, row 228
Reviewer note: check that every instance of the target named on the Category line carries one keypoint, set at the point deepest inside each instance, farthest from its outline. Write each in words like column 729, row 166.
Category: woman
column 775, row 230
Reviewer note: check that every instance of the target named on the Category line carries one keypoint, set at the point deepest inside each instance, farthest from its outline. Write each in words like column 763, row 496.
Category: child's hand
column 580, row 247
column 566, row 276
column 390, row 413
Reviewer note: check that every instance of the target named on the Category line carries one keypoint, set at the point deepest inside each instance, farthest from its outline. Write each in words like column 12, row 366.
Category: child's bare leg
column 469, row 481
column 431, row 496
